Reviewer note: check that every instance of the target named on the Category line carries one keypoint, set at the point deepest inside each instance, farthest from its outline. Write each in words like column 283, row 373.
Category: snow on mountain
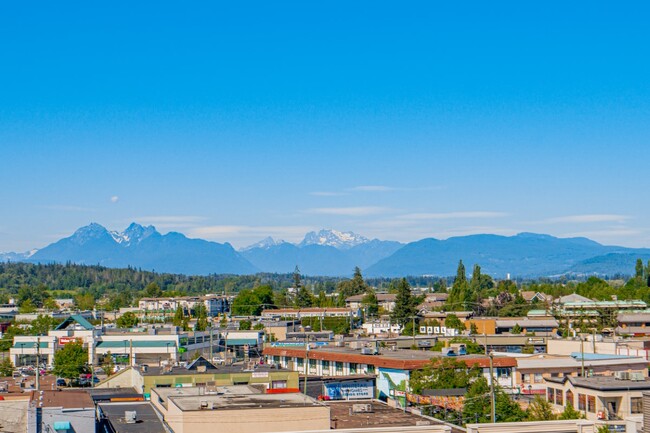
column 133, row 234
column 265, row 243
column 334, row 238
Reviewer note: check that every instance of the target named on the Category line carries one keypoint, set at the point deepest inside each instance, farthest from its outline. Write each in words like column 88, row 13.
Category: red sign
column 65, row 340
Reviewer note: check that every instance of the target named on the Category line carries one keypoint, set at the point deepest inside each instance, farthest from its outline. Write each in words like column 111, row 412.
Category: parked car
column 61, row 382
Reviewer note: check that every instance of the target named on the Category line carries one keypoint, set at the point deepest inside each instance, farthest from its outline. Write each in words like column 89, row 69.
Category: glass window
column 539, row 378
column 550, row 395
column 326, row 365
column 636, row 405
column 339, row 366
column 558, row 397
column 371, row 369
column 525, row 378
column 582, row 402
column 279, row 384
column 569, row 398
column 503, row 372
column 301, row 362
column 591, row 404
column 353, row 368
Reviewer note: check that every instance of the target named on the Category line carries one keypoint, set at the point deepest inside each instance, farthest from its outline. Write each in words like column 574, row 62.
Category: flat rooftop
column 242, row 401
column 219, row 369
column 147, row 421
column 382, row 415
column 604, row 383
column 194, row 391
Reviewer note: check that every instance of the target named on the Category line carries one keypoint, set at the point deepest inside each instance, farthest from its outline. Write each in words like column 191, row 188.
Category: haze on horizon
column 233, row 124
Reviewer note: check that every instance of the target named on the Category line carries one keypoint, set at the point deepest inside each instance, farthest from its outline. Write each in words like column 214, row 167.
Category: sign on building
column 349, row 390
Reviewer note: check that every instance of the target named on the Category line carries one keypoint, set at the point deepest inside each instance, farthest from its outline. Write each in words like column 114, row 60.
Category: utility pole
column 582, row 356
column 38, row 367
column 304, row 389
column 413, row 317
column 492, row 399
column 211, row 341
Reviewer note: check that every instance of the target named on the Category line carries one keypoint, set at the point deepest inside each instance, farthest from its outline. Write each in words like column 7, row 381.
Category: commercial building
column 385, row 301
column 214, row 304
column 238, row 409
column 533, row 371
column 56, row 411
column 203, row 373
column 610, row 399
column 298, row 313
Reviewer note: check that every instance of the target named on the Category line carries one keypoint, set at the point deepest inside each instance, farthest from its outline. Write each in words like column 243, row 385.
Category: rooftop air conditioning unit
column 367, row 351
column 621, row 375
column 637, row 376
column 362, row 408
column 130, row 416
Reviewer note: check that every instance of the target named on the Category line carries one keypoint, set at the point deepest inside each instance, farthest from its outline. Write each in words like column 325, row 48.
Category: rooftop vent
column 130, row 416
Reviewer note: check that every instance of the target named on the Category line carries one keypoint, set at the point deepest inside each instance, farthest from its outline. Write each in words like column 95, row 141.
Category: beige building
column 238, row 409
column 608, row 399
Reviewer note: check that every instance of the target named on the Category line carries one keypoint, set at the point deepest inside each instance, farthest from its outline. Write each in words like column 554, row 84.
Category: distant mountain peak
column 134, row 233
column 265, row 243
column 89, row 232
column 333, row 238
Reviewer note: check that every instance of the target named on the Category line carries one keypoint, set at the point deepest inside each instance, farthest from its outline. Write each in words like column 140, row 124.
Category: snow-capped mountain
column 17, row 257
column 265, row 243
column 133, row 234
column 334, row 238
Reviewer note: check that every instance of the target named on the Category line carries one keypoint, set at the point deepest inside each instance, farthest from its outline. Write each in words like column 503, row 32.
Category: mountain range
column 335, row 253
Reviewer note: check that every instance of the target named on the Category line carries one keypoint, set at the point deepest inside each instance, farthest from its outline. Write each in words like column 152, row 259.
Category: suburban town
column 405, row 362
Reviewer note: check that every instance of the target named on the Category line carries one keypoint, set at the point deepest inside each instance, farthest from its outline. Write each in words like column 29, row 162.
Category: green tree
column 153, row 290
column 84, row 301
column 179, row 317
column 370, row 302
column 6, row 367
column 443, row 373
column 638, row 269
column 108, row 365
column 452, row 321
column 304, row 298
column 477, row 401
column 71, row 361
column 27, row 307
column 42, row 324
column 50, row 304
column 201, row 314
column 570, row 413
column 540, row 410
column 352, row 287
column 459, row 294
column 516, row 329
column 127, row 320
column 245, row 325
column 405, row 304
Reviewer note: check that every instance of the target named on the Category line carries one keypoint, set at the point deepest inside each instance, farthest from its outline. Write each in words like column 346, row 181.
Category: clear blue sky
column 395, row 120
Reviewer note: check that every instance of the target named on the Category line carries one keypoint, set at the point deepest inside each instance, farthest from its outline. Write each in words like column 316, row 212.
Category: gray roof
column 603, row 383
column 574, row 297
column 633, row 317
column 525, row 322
column 146, row 417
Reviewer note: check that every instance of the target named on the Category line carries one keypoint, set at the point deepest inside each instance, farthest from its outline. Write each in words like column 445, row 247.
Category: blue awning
column 62, row 425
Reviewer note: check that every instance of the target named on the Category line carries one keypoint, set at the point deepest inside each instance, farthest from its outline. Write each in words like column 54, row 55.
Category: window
column 326, row 365
column 539, row 378
column 569, row 398
column 591, row 404
column 558, row 397
column 301, row 362
column 550, row 395
column 525, row 378
column 503, row 372
column 353, row 368
column 279, row 384
column 339, row 367
column 371, row 369
column 636, row 405
column 582, row 402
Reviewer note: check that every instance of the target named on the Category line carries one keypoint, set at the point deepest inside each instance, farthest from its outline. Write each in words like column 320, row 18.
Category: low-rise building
column 298, row 313
column 611, row 399
column 55, row 411
column 239, row 409
column 214, row 304
column 385, row 301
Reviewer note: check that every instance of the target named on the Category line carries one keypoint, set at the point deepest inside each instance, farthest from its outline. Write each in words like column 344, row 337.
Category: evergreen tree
column 296, row 278
column 304, row 298
column 570, row 412
column 179, row 317
column 352, row 287
column 405, row 304
column 370, row 303
column 638, row 269
column 459, row 295
column 201, row 314
column 540, row 410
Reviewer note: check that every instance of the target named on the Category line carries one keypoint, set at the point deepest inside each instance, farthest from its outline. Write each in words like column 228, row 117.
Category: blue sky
column 231, row 122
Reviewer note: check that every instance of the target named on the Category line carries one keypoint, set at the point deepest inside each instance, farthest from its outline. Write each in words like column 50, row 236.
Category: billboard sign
column 349, row 390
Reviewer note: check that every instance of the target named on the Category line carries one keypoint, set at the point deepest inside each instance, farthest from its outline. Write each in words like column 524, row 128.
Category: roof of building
column 398, row 359
column 126, row 343
column 343, row 417
column 381, row 297
column 30, row 345
column 433, row 297
column 529, row 295
column 633, row 317
column 546, row 361
column 227, row 401
column 75, row 318
column 147, row 421
column 603, row 383
column 220, row 369
column 573, row 297
column 281, row 311
column 67, row 399
column 526, row 322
